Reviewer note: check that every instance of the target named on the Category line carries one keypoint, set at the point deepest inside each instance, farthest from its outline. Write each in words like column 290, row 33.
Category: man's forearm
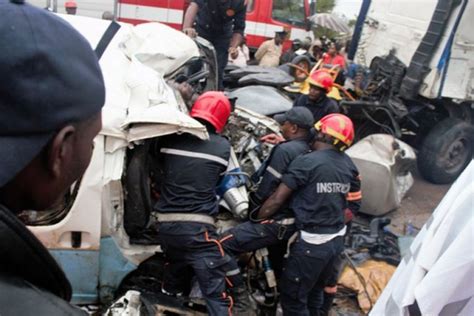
column 268, row 208
column 236, row 40
column 275, row 201
column 190, row 15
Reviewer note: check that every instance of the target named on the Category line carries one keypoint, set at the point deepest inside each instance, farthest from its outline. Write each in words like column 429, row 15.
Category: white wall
column 92, row 8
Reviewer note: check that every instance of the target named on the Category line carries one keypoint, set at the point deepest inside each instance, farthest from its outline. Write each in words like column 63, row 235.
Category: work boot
column 243, row 304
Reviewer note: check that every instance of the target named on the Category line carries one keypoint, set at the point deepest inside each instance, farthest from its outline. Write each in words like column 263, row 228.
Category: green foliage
column 325, row 6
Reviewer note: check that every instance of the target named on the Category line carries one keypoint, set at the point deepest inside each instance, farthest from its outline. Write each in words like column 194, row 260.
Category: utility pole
column 115, row 9
column 52, row 5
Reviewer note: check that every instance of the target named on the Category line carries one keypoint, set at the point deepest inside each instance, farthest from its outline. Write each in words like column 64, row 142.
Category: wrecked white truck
column 414, row 77
column 102, row 232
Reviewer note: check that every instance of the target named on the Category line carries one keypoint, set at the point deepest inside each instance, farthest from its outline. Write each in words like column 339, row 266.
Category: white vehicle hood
column 139, row 104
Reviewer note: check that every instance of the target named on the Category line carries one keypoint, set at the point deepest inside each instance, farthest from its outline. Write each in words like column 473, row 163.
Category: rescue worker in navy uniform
column 317, row 101
column 221, row 22
column 321, row 184
column 250, row 236
column 191, row 170
column 253, row 235
column 51, row 95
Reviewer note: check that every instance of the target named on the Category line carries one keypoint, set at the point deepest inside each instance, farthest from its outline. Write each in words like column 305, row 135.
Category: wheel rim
column 455, row 156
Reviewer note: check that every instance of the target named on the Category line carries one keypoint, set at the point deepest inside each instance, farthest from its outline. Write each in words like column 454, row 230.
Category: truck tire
column 446, row 150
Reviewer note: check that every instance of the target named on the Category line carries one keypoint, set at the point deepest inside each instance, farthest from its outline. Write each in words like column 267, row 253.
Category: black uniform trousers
column 250, row 236
column 204, row 254
column 306, row 272
column 221, row 44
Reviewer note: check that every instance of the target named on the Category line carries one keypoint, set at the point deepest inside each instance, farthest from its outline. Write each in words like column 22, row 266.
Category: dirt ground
column 418, row 204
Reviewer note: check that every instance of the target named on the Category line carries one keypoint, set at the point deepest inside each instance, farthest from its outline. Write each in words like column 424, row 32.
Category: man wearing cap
column 291, row 53
column 250, row 236
column 317, row 101
column 51, row 95
column 269, row 52
column 71, row 7
column 221, row 22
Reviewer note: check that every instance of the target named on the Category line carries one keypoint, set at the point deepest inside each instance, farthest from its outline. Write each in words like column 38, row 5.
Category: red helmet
column 339, row 127
column 70, row 4
column 214, row 107
column 322, row 79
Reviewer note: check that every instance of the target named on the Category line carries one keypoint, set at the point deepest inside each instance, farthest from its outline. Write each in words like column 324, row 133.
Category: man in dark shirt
column 320, row 186
column 317, row 101
column 221, row 22
column 250, row 236
column 191, row 170
column 51, row 95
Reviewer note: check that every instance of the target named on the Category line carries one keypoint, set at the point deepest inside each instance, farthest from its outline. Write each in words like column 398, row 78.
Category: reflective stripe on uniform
column 186, row 153
column 286, row 221
column 232, row 272
column 354, row 196
column 186, row 217
column 273, row 172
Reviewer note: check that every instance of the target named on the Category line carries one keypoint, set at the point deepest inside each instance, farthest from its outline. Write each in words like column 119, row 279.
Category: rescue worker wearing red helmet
column 71, row 7
column 319, row 185
column 317, row 101
column 190, row 171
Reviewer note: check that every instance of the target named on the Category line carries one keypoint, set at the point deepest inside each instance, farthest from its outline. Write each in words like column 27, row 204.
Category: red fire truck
column 264, row 17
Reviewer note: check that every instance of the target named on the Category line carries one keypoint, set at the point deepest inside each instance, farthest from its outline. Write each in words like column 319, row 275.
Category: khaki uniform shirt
column 268, row 54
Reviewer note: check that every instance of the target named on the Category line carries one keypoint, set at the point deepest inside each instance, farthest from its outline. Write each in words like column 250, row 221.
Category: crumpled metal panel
column 153, row 109
column 147, row 41
column 384, row 163
column 262, row 99
column 139, row 103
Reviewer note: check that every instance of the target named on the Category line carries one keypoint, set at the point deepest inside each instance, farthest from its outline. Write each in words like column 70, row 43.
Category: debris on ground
column 368, row 280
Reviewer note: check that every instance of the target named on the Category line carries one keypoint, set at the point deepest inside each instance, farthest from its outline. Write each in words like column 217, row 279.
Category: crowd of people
column 270, row 53
column 308, row 188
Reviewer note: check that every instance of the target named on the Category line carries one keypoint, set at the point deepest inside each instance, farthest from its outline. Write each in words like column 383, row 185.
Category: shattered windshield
column 289, row 11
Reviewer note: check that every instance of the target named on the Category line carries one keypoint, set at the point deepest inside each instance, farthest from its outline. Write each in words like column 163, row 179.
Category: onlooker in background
column 325, row 43
column 333, row 57
column 269, row 52
column 51, row 96
column 243, row 55
column 71, row 7
column 316, row 50
column 317, row 101
column 290, row 54
column 305, row 45
column 107, row 15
